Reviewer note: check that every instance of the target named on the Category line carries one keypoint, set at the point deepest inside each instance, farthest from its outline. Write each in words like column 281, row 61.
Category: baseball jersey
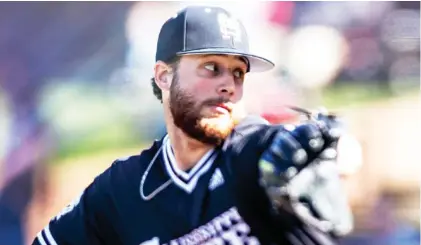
column 146, row 199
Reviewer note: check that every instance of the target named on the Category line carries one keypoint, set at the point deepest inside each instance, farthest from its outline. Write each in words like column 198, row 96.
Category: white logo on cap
column 230, row 28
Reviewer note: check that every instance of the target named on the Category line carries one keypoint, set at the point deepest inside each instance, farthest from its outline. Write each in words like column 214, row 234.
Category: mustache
column 226, row 103
column 216, row 101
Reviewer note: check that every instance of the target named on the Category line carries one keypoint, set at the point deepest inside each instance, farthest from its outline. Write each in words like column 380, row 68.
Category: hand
column 299, row 173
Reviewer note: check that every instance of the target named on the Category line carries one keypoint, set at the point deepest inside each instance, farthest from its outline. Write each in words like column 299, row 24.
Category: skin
column 202, row 102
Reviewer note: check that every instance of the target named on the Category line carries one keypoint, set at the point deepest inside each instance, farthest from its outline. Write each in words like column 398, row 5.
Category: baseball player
column 218, row 176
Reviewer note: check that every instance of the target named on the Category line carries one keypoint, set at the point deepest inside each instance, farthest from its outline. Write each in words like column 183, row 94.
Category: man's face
column 205, row 96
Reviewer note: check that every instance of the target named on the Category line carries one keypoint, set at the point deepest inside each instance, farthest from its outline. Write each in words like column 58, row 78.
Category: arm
column 81, row 222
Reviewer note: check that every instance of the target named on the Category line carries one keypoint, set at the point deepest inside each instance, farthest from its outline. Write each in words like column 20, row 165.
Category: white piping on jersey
column 185, row 176
column 50, row 240
column 198, row 170
column 49, row 236
column 186, row 186
column 41, row 239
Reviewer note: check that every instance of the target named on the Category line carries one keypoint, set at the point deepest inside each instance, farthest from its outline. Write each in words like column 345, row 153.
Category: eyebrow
column 237, row 57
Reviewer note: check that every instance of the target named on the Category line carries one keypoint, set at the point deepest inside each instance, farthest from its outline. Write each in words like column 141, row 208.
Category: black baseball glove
column 299, row 174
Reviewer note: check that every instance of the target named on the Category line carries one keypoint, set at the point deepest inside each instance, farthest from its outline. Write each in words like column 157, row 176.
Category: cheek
column 203, row 89
column 203, row 85
column 238, row 95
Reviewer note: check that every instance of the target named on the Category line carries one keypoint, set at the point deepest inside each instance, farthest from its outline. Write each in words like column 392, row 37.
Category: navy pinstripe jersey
column 147, row 200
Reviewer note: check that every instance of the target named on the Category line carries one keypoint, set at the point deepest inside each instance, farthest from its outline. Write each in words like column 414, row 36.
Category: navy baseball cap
column 206, row 30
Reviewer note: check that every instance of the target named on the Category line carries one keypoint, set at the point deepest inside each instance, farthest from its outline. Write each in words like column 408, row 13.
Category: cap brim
column 257, row 63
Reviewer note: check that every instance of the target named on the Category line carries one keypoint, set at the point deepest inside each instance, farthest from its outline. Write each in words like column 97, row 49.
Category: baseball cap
column 206, row 30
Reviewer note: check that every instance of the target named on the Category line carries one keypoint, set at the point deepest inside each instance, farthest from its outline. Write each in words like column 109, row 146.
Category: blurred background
column 75, row 94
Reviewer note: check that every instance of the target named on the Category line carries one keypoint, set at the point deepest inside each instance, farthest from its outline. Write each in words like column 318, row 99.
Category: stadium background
column 75, row 94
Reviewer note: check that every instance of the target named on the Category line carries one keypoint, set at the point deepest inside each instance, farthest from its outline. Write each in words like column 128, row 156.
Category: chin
column 221, row 124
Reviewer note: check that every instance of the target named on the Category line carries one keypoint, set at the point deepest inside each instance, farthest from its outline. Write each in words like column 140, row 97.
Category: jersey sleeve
column 270, row 225
column 80, row 222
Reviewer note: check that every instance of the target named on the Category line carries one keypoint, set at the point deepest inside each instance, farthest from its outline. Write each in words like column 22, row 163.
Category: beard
column 187, row 115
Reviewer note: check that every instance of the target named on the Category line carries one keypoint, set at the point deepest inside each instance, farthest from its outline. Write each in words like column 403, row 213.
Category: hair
column 156, row 90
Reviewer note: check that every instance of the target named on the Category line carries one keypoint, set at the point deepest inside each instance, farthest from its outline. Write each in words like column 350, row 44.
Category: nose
column 227, row 87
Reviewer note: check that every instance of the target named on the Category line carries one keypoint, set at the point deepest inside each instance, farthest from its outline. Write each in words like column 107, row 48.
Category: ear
column 163, row 75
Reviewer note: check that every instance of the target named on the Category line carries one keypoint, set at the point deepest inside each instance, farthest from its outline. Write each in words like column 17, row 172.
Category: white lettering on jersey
column 153, row 241
column 227, row 228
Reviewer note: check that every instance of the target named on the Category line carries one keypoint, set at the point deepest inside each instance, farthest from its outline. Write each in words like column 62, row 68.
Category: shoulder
column 128, row 169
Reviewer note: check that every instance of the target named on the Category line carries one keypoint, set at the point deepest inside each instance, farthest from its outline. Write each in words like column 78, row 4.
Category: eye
column 211, row 67
column 209, row 70
column 238, row 73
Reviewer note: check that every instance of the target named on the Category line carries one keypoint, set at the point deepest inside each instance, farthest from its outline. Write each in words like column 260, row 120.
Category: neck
column 187, row 151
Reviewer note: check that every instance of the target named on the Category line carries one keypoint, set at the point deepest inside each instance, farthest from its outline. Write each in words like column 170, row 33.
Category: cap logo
column 230, row 28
